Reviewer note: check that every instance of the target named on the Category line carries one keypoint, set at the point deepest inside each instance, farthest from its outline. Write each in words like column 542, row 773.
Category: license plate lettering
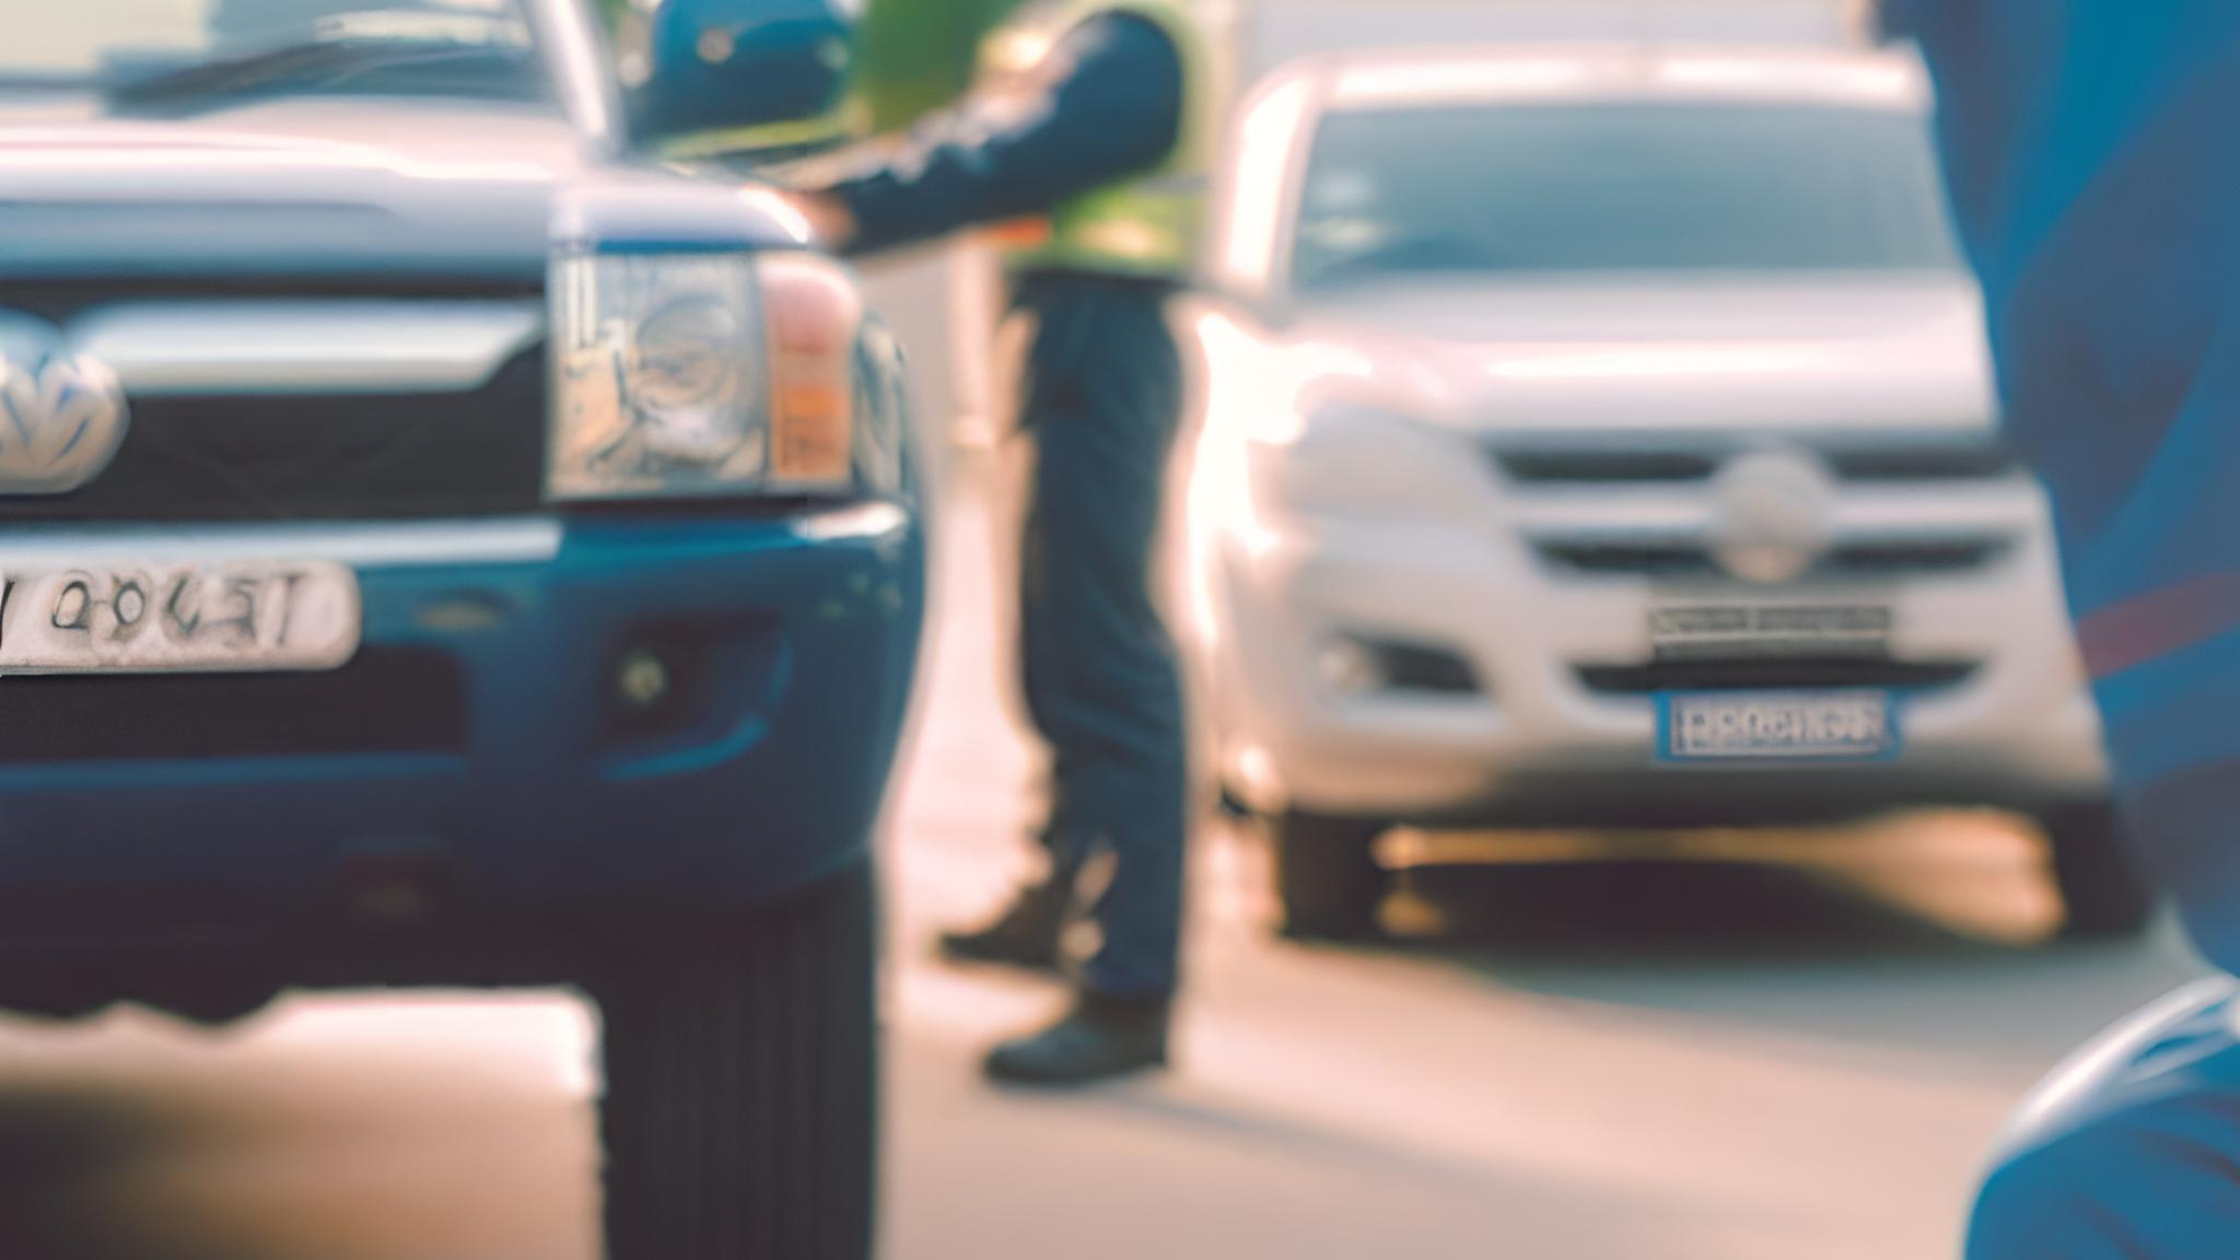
column 236, row 619
column 1711, row 726
column 115, row 608
column 248, row 617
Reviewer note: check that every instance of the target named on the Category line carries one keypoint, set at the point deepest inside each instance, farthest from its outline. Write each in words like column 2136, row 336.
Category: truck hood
column 1817, row 354
column 311, row 186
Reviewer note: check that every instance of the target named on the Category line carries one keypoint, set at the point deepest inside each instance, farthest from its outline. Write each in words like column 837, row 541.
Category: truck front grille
column 197, row 459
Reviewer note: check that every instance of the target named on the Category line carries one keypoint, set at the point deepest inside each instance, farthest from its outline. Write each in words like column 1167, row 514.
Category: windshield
column 1619, row 188
column 112, row 44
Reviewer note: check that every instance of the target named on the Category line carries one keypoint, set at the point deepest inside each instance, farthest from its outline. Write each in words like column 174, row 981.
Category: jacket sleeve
column 1109, row 105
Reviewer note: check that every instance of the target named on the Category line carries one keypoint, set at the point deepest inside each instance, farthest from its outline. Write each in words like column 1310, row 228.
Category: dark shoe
column 1101, row 1038
column 1026, row 935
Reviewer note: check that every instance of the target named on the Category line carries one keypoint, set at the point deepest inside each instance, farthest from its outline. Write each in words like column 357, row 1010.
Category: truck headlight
column 689, row 381
column 708, row 375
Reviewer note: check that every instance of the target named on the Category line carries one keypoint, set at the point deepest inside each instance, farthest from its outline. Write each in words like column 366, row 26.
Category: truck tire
column 740, row 1118
column 1327, row 877
column 2106, row 894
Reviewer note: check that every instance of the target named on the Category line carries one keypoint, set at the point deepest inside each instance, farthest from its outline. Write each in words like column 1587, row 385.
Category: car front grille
column 1621, row 462
column 1846, row 562
column 387, row 700
column 1775, row 674
column 201, row 458
column 1653, row 506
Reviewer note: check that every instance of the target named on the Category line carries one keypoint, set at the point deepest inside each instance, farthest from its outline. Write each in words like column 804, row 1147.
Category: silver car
column 1605, row 437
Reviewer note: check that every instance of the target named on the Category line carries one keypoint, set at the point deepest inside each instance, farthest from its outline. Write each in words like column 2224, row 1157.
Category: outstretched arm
column 1107, row 102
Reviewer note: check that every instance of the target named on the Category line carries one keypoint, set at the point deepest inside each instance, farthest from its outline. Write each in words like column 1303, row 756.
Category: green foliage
column 914, row 56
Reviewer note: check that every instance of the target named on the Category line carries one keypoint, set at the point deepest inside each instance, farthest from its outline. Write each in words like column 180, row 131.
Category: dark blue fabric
column 2095, row 174
column 2089, row 152
column 1110, row 105
column 1103, row 399
column 2130, row 1151
column 2191, row 817
column 2095, row 178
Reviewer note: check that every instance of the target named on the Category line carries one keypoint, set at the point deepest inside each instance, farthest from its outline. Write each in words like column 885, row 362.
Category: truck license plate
column 1777, row 726
column 260, row 617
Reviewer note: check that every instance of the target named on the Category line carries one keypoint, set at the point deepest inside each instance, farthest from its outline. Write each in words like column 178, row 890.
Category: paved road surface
column 1684, row 1061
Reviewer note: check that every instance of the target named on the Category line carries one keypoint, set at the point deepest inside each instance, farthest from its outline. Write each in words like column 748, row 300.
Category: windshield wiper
column 324, row 61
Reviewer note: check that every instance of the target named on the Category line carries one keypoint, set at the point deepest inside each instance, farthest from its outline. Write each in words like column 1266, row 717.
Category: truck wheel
column 741, row 1071
column 2106, row 894
column 1327, row 877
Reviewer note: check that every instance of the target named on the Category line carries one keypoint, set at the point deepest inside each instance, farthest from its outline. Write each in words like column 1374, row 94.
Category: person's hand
column 827, row 216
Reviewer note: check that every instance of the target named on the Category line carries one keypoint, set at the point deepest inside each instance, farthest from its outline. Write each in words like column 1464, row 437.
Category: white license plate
column 157, row 619
column 1777, row 726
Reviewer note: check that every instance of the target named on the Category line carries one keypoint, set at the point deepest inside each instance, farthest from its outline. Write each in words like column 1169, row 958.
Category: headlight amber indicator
column 811, row 313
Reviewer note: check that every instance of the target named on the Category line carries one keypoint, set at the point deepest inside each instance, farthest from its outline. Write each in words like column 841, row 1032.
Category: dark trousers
column 1103, row 399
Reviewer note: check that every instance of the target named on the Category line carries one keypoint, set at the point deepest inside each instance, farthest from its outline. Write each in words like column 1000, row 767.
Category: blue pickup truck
column 444, row 543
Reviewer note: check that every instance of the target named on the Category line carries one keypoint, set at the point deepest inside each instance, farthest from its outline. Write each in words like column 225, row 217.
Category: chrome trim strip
column 576, row 53
column 348, row 346
column 866, row 520
column 373, row 545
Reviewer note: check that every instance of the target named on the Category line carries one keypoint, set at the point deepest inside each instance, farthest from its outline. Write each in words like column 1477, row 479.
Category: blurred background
column 1645, row 260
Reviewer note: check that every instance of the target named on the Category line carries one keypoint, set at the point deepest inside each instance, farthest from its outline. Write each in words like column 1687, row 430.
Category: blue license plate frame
column 1789, row 727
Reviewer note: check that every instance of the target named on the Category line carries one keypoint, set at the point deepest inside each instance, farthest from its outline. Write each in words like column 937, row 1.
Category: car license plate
column 1777, row 726
column 155, row 619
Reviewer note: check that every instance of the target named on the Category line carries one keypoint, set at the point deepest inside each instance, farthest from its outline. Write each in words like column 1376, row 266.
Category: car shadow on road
column 54, row 1144
column 1883, row 956
column 1532, row 1210
column 1674, row 913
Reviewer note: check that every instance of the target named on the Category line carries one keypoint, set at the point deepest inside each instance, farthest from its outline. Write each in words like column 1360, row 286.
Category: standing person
column 2096, row 179
column 1088, row 141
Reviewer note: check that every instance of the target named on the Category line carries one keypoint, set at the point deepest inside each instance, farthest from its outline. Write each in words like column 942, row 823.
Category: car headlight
column 1346, row 460
column 711, row 375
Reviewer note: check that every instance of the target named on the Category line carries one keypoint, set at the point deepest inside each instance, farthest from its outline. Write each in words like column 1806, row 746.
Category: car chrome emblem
column 1775, row 516
column 62, row 418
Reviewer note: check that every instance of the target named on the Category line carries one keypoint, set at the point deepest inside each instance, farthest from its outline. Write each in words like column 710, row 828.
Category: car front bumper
column 1534, row 744
column 493, row 751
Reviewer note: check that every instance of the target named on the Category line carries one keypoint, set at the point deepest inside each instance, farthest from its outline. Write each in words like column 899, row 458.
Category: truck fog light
column 1347, row 667
column 642, row 679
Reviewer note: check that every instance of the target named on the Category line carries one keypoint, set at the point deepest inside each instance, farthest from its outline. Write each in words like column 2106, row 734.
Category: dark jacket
column 1110, row 106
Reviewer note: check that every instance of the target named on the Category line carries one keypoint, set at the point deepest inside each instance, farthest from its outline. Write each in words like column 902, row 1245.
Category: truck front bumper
column 486, row 734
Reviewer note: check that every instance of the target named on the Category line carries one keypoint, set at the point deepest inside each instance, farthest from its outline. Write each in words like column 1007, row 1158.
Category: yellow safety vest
column 1149, row 225
column 848, row 122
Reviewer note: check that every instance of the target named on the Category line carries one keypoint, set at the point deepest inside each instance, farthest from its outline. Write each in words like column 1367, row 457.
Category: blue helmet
column 749, row 61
